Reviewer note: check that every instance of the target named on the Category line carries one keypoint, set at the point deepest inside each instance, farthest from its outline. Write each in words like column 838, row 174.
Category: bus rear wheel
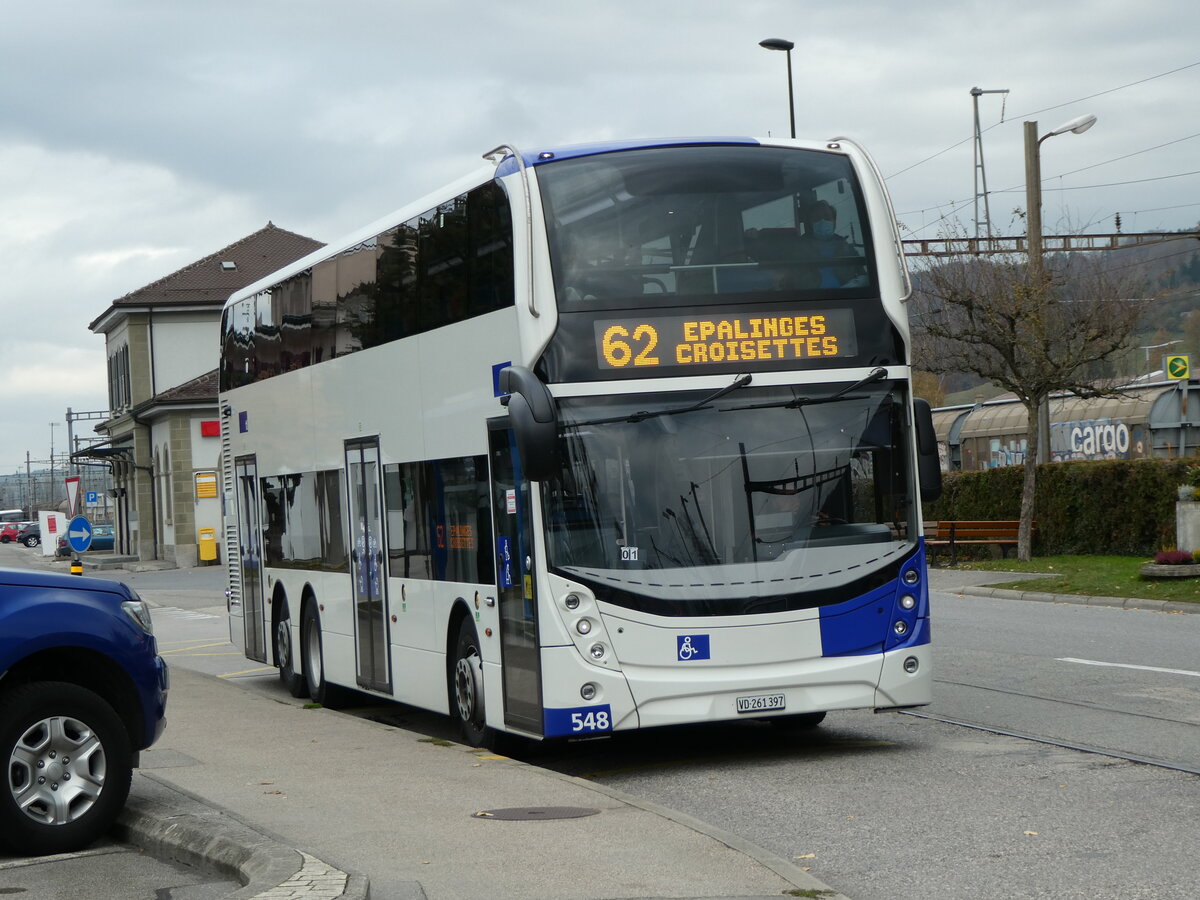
column 321, row 691
column 285, row 656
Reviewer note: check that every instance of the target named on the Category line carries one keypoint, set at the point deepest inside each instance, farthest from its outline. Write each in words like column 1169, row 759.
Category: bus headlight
column 588, row 692
column 908, row 601
column 583, row 626
column 911, row 664
column 597, row 651
column 901, row 627
column 911, row 577
column 571, row 601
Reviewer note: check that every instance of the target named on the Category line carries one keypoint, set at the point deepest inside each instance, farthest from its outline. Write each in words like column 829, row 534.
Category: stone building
column 163, row 441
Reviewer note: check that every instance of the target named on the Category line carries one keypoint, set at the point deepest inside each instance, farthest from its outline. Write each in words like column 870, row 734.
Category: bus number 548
column 591, row 721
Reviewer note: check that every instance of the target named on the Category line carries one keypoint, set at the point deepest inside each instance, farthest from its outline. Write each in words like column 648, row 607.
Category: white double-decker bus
column 598, row 438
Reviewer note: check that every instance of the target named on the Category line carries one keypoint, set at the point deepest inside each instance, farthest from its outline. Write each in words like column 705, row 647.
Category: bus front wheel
column 467, row 685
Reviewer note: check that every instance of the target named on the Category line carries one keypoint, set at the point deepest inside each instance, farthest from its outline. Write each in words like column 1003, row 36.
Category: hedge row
column 1120, row 507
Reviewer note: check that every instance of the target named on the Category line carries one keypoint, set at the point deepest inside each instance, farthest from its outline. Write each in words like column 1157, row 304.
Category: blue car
column 102, row 539
column 82, row 691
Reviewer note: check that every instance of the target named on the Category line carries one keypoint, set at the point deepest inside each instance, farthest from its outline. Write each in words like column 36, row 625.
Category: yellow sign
column 698, row 341
column 206, row 485
column 1178, row 367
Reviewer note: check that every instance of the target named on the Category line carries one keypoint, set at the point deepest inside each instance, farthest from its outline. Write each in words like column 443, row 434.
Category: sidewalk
column 310, row 803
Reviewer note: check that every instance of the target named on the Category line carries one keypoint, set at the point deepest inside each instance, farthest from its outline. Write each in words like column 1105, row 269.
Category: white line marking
column 1093, row 662
column 174, row 612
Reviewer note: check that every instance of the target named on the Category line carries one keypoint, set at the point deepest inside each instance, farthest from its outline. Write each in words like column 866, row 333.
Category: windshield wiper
column 877, row 374
column 642, row 415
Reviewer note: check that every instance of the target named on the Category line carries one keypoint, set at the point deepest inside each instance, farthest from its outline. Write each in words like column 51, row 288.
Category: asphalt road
column 895, row 806
column 1120, row 681
column 107, row 871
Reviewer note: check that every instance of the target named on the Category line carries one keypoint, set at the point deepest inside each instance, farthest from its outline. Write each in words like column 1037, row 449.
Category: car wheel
column 320, row 690
column 285, row 656
column 67, row 763
column 32, row 541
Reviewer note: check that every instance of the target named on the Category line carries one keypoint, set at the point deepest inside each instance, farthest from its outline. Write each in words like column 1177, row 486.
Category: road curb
column 169, row 823
column 1079, row 599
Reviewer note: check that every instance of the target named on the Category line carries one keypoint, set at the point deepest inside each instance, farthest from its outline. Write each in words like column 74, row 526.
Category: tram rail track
column 1110, row 752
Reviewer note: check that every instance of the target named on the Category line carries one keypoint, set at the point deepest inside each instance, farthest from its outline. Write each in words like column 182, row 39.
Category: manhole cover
column 534, row 813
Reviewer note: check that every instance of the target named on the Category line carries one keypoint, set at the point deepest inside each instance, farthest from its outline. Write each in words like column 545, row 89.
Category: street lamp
column 781, row 44
column 1033, row 236
column 1033, row 181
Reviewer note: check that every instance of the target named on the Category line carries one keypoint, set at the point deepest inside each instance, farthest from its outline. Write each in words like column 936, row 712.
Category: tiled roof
column 208, row 282
column 200, row 389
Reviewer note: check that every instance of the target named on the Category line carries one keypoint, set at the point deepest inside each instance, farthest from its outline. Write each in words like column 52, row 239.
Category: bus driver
column 822, row 243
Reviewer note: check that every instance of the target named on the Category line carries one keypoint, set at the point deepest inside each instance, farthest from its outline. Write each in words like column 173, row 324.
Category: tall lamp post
column 781, row 44
column 1033, row 238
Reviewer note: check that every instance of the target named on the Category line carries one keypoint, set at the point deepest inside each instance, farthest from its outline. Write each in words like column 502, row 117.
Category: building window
column 119, row 391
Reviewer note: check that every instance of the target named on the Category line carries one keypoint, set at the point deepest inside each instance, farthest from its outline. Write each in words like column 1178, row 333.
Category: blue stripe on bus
column 866, row 625
column 553, row 154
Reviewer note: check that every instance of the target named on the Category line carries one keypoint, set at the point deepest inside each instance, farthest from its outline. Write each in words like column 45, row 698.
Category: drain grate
column 535, row 813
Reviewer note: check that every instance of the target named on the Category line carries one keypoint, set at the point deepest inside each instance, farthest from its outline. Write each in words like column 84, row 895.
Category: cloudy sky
column 137, row 136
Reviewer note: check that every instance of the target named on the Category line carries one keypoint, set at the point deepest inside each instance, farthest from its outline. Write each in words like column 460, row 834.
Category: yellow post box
column 208, row 544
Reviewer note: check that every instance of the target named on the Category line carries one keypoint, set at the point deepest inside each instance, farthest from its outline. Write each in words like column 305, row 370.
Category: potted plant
column 1190, row 489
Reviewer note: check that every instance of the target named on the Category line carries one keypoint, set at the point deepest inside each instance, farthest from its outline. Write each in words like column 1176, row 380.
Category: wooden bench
column 954, row 534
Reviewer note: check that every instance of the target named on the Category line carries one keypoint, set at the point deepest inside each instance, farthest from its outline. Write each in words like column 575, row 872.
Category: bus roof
column 554, row 154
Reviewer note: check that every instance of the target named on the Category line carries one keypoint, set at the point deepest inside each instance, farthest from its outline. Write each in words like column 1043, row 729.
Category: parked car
column 31, row 536
column 11, row 531
column 82, row 692
column 102, row 539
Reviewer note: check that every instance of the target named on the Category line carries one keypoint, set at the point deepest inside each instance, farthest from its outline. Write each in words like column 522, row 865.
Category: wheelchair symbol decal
column 689, row 647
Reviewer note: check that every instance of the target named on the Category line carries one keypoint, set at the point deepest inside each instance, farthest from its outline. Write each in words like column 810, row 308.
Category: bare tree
column 1031, row 334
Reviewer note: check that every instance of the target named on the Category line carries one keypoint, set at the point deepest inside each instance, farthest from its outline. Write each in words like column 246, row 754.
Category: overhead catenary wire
column 1036, row 112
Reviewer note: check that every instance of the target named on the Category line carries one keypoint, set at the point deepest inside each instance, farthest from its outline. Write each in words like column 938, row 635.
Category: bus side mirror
column 929, row 469
column 534, row 421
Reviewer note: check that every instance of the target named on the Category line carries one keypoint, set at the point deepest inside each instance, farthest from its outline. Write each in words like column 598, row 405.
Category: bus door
column 367, row 562
column 516, row 583
column 250, row 546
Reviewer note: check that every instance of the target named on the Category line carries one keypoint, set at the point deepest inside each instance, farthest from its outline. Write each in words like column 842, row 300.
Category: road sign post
column 1179, row 369
column 79, row 534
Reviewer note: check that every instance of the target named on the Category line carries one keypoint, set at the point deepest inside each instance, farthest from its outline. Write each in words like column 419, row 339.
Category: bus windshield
column 762, row 499
column 674, row 224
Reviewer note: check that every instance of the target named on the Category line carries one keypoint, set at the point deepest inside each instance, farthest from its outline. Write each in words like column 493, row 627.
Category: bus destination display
column 696, row 341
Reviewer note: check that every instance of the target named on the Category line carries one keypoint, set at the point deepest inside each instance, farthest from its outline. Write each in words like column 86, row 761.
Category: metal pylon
column 981, row 191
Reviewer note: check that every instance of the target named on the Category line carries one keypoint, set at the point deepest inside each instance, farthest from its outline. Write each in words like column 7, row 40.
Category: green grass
column 1096, row 576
